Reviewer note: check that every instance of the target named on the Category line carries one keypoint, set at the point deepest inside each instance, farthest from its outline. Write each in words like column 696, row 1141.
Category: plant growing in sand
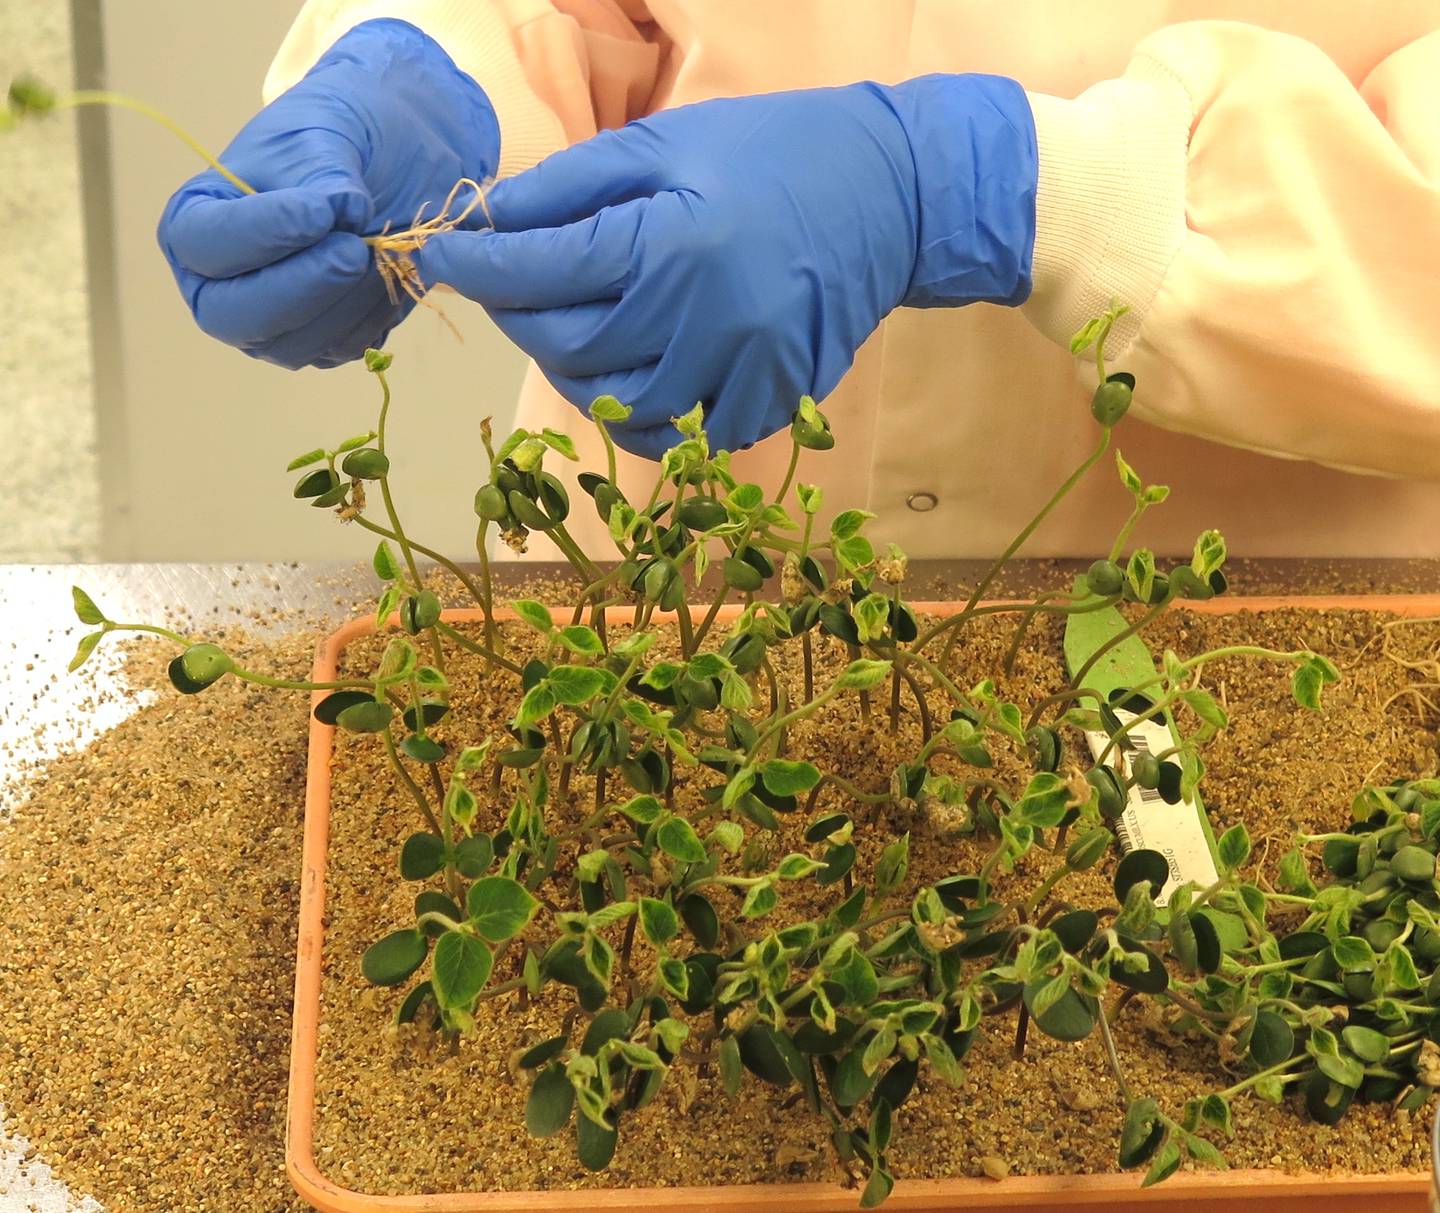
column 647, row 842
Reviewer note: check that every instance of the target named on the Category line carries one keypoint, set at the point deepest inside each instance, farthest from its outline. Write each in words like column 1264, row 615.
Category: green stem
column 121, row 101
column 299, row 684
column 414, row 788
column 406, row 549
column 109, row 626
column 956, row 622
column 789, row 471
column 478, row 649
column 487, row 599
column 443, row 561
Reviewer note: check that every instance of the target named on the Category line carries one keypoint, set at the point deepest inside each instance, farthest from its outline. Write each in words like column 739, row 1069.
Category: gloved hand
column 384, row 122
column 737, row 252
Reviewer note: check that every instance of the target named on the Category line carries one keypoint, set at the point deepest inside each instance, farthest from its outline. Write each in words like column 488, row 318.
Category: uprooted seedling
column 393, row 249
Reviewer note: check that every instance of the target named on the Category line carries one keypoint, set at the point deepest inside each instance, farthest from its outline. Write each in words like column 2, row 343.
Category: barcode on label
column 1148, row 823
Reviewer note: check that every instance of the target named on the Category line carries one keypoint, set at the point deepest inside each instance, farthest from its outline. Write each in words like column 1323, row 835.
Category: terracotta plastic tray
column 1199, row 1191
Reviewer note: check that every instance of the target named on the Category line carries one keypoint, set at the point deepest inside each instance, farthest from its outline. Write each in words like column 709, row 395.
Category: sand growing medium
column 381, row 1093
column 147, row 919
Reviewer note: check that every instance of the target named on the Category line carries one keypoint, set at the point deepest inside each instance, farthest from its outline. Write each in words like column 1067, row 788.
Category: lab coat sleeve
column 555, row 71
column 1275, row 227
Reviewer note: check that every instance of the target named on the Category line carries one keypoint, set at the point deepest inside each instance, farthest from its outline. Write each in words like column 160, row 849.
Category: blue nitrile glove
column 384, row 122
column 737, row 252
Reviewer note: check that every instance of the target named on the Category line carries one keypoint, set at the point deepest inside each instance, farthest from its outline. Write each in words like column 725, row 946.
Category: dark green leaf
column 473, row 855
column 1140, row 866
column 594, row 1146
column 393, row 959
column 1272, row 1040
column 421, row 856
column 551, row 1100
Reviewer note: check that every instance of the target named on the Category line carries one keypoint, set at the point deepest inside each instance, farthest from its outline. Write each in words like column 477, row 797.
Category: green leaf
column 858, row 977
column 877, row 1188
column 1215, row 1110
column 854, row 553
column 1367, row 1044
column 644, row 809
column 1272, row 1040
column 785, row 778
column 731, row 1068
column 607, row 408
column 1209, row 554
column 863, row 674
column 578, row 684
column 594, row 1145
column 1233, row 847
column 421, row 856
column 735, row 693
column 351, row 444
column 811, row 497
column 393, row 959
column 658, row 920
column 878, row 1049
column 795, row 866
column 85, row 609
column 662, row 675
column 538, row 703
column 1353, row 954
column 1049, row 993
column 387, row 568
column 557, row 441
column 305, row 460
column 473, row 855
column 389, row 600
column 894, row 863
column 366, row 717
column 84, row 649
column 942, row 1058
column 1164, row 1165
column 1205, row 706
column 760, row 900
column 1309, row 677
column 1141, row 1131
column 535, row 614
column 1399, row 968
column 677, row 838
column 1045, row 801
column 1087, row 335
column 1129, row 477
column 847, row 524
column 499, row 907
column 581, row 639
column 551, row 1101
column 1140, row 573
column 674, row 976
column 460, row 969
column 739, row 783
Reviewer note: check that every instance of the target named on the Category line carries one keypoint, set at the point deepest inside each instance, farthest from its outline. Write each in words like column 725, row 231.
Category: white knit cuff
column 475, row 35
column 1110, row 205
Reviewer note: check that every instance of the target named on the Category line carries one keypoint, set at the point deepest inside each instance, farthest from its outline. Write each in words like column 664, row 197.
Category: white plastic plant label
column 1148, row 823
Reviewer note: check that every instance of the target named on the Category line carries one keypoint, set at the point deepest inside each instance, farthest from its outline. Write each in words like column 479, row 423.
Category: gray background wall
column 49, row 475
column 182, row 453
